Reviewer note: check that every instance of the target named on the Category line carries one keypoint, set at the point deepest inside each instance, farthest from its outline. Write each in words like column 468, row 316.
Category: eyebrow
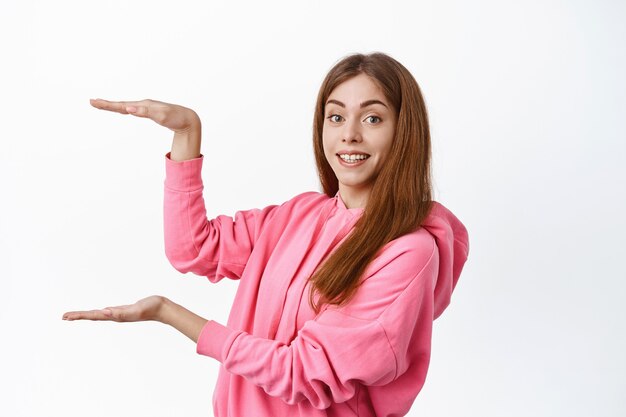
column 363, row 104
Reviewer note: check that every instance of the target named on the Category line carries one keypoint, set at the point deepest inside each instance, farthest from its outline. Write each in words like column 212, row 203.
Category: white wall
column 527, row 103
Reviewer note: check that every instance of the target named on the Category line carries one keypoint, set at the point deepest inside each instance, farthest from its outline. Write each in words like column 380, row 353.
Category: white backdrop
column 527, row 103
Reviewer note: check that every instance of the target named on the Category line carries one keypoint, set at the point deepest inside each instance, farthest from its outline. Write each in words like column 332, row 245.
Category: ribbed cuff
column 215, row 340
column 183, row 176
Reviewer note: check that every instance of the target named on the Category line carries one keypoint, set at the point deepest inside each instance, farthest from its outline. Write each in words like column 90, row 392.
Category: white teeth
column 351, row 158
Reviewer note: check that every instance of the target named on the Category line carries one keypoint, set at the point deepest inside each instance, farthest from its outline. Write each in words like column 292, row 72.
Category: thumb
column 139, row 111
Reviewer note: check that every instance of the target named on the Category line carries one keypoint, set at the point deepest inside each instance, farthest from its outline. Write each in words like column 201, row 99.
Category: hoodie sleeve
column 372, row 340
column 214, row 248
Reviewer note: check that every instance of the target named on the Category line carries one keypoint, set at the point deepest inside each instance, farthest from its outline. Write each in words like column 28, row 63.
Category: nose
column 352, row 132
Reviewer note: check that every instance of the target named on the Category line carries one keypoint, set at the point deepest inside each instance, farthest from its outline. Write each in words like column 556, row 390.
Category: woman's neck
column 353, row 198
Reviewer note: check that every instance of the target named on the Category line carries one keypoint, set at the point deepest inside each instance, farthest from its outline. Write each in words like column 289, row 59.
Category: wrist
column 186, row 145
column 186, row 142
column 178, row 317
column 163, row 311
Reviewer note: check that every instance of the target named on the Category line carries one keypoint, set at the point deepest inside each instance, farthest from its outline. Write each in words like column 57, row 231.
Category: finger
column 136, row 108
column 115, row 106
column 84, row 315
column 139, row 111
column 104, row 314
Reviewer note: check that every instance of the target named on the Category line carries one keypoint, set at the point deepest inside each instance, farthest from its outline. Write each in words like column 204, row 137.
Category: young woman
column 338, row 290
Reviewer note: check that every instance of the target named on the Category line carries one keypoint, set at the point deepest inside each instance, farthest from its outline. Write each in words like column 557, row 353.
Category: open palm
column 143, row 310
column 174, row 117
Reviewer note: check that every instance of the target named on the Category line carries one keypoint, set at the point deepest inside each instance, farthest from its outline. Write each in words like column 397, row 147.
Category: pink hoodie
column 368, row 358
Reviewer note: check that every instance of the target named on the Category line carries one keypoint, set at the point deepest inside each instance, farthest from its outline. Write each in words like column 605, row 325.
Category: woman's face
column 359, row 121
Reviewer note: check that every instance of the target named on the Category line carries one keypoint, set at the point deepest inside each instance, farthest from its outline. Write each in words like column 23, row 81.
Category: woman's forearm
column 183, row 320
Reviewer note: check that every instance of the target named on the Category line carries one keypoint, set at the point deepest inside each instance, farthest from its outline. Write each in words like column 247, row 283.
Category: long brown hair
column 401, row 194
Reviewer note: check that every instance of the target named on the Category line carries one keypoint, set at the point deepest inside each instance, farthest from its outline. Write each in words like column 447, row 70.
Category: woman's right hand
column 183, row 121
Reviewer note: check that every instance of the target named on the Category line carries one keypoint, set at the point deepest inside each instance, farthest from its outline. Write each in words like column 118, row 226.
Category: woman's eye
column 370, row 119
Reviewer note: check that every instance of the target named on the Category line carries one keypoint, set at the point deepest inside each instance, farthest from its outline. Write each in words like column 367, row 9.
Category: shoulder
column 304, row 202
column 309, row 197
column 405, row 256
column 405, row 265
column 298, row 209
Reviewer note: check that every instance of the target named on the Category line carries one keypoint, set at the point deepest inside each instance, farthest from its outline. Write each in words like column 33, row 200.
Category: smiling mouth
column 352, row 162
column 353, row 159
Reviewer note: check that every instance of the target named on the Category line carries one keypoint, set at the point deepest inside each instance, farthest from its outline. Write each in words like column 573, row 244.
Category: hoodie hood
column 453, row 244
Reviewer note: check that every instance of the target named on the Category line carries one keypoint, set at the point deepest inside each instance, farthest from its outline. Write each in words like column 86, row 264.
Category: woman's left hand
column 143, row 310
